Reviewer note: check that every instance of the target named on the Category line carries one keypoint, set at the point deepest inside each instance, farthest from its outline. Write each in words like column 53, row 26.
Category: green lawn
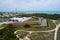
column 3, row 19
column 37, row 26
column 32, row 19
column 31, row 26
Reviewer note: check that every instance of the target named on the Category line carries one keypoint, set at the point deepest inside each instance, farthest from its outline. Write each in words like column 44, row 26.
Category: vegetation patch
column 32, row 19
column 57, row 21
column 2, row 19
column 58, row 35
column 8, row 33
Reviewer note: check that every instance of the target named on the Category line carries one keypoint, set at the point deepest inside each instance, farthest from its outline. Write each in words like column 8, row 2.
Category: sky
column 30, row 5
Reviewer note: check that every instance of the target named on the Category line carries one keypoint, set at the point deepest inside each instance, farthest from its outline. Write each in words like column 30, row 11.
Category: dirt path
column 56, row 30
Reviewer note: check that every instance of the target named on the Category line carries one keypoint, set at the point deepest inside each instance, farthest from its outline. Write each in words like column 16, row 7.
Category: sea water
column 46, row 12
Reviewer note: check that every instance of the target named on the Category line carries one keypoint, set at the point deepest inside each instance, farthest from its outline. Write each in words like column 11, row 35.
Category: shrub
column 27, row 26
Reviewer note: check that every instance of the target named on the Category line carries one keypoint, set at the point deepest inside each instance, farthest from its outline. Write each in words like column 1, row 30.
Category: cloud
column 30, row 4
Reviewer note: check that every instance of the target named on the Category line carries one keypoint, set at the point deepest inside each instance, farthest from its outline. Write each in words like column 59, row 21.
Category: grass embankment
column 31, row 26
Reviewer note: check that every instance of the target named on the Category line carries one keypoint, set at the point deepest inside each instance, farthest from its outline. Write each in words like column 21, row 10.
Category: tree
column 8, row 33
column 27, row 26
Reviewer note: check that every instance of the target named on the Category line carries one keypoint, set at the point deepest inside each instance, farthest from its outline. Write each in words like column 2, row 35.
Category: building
column 23, row 19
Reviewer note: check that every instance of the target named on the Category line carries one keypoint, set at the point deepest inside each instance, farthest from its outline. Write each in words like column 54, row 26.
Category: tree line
column 48, row 16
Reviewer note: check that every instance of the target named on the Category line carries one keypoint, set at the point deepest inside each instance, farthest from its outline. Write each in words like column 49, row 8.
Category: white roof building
column 20, row 19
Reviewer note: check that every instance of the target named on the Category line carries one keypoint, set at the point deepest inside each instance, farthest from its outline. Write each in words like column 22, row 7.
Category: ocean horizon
column 32, row 12
column 45, row 12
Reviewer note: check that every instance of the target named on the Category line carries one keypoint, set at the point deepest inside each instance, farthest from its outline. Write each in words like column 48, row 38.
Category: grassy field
column 58, row 35
column 42, row 36
column 32, row 19
column 58, row 21
column 31, row 26
column 3, row 19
